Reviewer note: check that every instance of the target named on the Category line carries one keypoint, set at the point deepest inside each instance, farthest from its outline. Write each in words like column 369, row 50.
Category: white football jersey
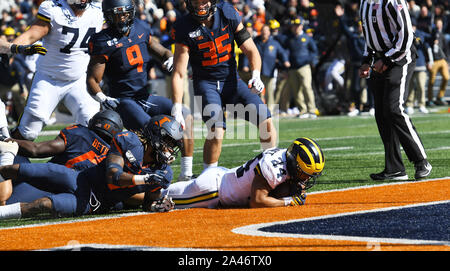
column 67, row 43
column 236, row 184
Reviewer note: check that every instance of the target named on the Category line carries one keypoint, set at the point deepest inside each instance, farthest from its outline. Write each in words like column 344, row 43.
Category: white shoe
column 372, row 112
column 424, row 110
column 409, row 110
column 312, row 116
column 304, row 116
column 353, row 113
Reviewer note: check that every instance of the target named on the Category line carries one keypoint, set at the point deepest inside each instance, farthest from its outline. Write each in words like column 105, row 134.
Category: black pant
column 394, row 125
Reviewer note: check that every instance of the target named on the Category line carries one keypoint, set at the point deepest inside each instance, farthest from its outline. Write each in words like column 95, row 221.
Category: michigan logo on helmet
column 165, row 135
column 119, row 14
column 106, row 124
column 305, row 161
column 203, row 13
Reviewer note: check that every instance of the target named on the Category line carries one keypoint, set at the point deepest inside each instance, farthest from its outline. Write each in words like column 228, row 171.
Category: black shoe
column 429, row 104
column 382, row 176
column 440, row 101
column 423, row 169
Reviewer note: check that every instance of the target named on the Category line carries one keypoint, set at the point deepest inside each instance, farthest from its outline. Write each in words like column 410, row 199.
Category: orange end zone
column 212, row 228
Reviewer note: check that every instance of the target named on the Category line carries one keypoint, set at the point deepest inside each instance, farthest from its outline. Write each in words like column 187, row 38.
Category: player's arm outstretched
column 24, row 44
column 41, row 149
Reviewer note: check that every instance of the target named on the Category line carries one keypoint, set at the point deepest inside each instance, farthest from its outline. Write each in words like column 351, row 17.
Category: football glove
column 177, row 113
column 28, row 49
column 156, row 178
column 298, row 199
column 164, row 204
column 255, row 84
column 168, row 64
column 106, row 101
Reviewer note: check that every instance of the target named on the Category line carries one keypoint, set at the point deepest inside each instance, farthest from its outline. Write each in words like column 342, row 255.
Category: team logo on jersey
column 195, row 34
column 130, row 156
column 112, row 42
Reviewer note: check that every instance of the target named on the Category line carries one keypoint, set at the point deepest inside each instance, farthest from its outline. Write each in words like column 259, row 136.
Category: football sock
column 186, row 166
column 205, row 166
column 10, row 211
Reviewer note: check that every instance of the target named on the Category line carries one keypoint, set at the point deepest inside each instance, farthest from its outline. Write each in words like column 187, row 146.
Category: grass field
column 352, row 148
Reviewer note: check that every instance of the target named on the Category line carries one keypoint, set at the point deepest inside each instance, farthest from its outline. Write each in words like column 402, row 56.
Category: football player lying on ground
column 77, row 147
column 274, row 178
column 136, row 163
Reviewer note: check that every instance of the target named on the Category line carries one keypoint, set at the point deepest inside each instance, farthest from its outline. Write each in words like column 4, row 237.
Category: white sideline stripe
column 253, row 230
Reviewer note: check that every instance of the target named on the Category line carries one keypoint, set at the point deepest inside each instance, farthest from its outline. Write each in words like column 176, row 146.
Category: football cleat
column 423, row 169
column 384, row 176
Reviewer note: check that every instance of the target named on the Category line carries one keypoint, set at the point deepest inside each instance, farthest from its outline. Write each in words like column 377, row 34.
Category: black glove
column 157, row 178
column 28, row 49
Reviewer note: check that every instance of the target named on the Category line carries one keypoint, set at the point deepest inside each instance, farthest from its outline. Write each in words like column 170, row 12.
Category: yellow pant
column 440, row 66
column 299, row 86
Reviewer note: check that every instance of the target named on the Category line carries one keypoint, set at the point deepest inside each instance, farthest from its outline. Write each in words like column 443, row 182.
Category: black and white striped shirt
column 387, row 28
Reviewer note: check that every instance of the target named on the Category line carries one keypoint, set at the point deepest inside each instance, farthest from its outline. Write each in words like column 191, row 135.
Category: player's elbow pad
column 241, row 36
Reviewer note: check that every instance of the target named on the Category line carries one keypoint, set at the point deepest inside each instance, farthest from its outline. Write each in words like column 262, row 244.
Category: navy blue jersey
column 84, row 148
column 270, row 52
column 302, row 50
column 127, row 145
column 211, row 51
column 127, row 58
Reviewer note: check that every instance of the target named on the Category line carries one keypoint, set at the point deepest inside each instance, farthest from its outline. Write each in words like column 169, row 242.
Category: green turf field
column 351, row 145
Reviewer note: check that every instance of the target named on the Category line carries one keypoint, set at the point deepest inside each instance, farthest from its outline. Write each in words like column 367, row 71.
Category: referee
column 389, row 61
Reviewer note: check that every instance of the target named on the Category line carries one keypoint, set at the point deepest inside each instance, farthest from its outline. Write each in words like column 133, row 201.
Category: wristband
column 177, row 107
column 256, row 74
column 139, row 179
column 287, row 201
column 100, row 97
column 13, row 48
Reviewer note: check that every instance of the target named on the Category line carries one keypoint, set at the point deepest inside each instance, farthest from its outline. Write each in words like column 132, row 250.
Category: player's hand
column 164, row 204
column 298, row 199
column 106, row 101
column 177, row 113
column 156, row 178
column 28, row 49
column 364, row 71
column 168, row 64
column 255, row 84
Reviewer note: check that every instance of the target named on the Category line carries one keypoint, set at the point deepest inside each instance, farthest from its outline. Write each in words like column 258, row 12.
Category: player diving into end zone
column 274, row 178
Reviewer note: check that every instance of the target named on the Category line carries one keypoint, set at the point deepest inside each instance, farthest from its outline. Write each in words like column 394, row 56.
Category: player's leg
column 212, row 147
column 43, row 98
column 257, row 113
column 5, row 190
column 79, row 102
column 202, row 192
column 24, row 210
column 213, row 117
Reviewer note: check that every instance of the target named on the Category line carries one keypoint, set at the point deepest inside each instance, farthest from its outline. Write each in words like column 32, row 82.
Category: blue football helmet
column 119, row 14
